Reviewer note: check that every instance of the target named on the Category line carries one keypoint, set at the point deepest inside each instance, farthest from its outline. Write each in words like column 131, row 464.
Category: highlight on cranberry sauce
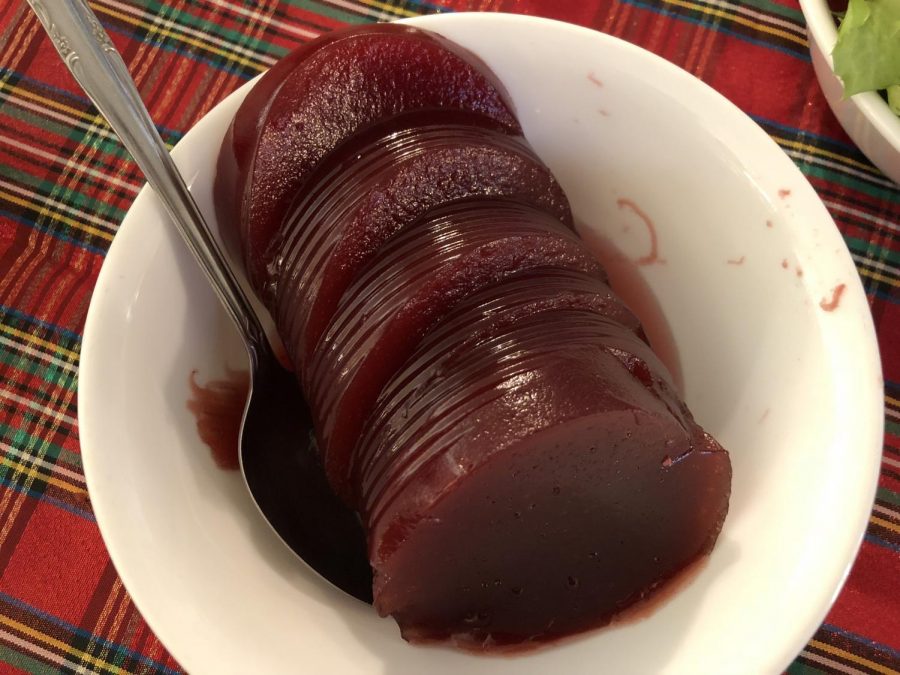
column 519, row 458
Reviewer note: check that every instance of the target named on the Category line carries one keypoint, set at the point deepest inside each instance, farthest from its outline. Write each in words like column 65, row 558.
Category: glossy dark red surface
column 521, row 462
column 480, row 317
column 567, row 465
column 343, row 218
column 327, row 93
column 417, row 277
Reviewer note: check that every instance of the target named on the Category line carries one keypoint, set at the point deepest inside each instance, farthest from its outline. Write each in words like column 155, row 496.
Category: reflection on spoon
column 285, row 476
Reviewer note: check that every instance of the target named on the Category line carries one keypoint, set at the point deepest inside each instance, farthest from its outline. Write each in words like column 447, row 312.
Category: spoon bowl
column 281, row 467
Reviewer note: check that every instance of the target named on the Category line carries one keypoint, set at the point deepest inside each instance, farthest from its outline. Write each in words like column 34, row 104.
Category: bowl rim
column 823, row 32
column 92, row 324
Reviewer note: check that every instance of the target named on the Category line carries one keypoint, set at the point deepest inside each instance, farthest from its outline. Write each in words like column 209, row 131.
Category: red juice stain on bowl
column 829, row 305
column 218, row 407
column 626, row 280
column 653, row 256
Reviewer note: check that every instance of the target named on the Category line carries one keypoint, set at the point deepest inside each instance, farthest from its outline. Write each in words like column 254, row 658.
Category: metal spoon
column 277, row 451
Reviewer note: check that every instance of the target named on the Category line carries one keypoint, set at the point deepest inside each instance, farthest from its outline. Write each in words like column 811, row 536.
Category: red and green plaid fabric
column 65, row 185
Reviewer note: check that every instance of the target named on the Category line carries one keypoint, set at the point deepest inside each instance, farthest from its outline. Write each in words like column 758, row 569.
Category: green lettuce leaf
column 867, row 53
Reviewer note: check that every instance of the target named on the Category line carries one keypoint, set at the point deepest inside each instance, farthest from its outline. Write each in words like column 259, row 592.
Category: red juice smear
column 835, row 301
column 593, row 79
column 653, row 255
column 218, row 408
column 626, row 280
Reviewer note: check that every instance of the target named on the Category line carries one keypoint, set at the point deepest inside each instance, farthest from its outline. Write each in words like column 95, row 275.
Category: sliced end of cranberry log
column 555, row 536
column 540, row 496
column 242, row 137
column 340, row 89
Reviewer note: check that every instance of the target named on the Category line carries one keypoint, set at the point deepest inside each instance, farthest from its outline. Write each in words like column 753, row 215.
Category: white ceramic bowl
column 866, row 117
column 792, row 390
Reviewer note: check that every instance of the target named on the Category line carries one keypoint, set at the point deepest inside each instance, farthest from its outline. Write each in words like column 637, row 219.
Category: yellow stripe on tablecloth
column 59, row 644
column 739, row 19
column 45, row 211
column 37, row 650
column 813, row 150
column 49, row 467
column 884, row 523
column 32, row 472
column 200, row 34
column 49, row 359
column 844, row 654
column 835, row 666
column 28, row 338
column 388, row 7
column 82, row 216
column 49, row 102
column 870, row 274
column 181, row 37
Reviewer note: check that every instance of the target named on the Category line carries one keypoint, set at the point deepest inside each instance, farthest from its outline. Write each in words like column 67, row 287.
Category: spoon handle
column 92, row 58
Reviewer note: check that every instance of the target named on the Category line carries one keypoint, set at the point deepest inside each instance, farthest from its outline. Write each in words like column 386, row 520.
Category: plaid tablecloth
column 65, row 185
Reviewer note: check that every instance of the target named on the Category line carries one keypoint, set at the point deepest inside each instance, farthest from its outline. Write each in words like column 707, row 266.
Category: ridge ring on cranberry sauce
column 374, row 191
column 418, row 276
